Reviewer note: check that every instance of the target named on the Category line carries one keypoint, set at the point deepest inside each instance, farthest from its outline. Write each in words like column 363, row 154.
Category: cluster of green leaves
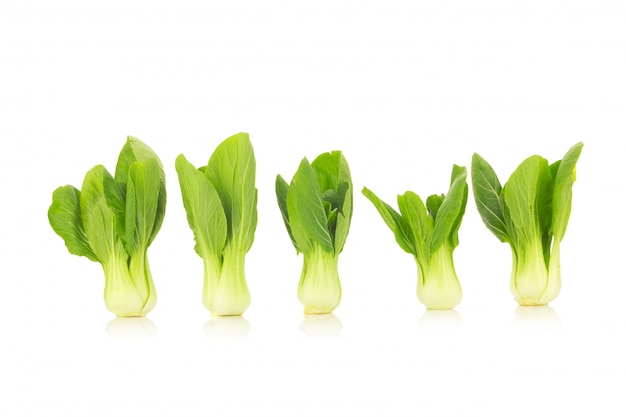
column 430, row 233
column 113, row 220
column 221, row 204
column 316, row 207
column 530, row 213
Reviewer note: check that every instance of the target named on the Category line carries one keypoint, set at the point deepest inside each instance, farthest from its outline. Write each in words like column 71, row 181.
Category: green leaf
column 524, row 195
column 454, row 233
column 511, row 231
column 307, row 215
column 399, row 226
column 334, row 177
column 451, row 209
column 282, row 188
column 114, row 193
column 328, row 208
column 205, row 214
column 327, row 168
column 133, row 151
column 336, row 197
column 545, row 191
column 554, row 169
column 487, row 191
column 563, row 184
column 414, row 212
column 433, row 203
column 142, row 200
column 343, row 220
column 99, row 217
column 458, row 171
column 331, row 222
column 66, row 220
column 332, row 171
column 331, row 199
column 160, row 213
column 232, row 170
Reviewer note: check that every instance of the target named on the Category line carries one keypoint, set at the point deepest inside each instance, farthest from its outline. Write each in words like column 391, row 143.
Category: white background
column 404, row 89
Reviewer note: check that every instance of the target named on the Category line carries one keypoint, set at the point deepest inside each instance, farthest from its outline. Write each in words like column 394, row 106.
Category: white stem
column 232, row 296
column 438, row 287
column 319, row 289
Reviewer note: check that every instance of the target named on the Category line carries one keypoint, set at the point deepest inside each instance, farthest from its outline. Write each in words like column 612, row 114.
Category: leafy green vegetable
column 113, row 221
column 530, row 213
column 317, row 209
column 430, row 233
column 221, row 204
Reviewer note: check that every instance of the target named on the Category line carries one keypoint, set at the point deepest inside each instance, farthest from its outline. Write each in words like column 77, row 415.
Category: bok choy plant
column 317, row 209
column 530, row 213
column 221, row 204
column 430, row 233
column 113, row 221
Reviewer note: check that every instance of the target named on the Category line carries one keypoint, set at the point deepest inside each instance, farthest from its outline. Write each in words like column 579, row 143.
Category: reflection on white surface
column 440, row 319
column 321, row 326
column 227, row 328
column 536, row 317
column 131, row 329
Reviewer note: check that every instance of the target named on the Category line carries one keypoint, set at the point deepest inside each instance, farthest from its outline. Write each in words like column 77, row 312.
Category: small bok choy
column 113, row 220
column 530, row 213
column 221, row 204
column 317, row 209
column 430, row 233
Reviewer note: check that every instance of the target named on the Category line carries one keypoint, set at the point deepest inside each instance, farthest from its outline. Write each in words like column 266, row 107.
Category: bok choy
column 113, row 220
column 430, row 233
column 317, row 209
column 221, row 204
column 530, row 213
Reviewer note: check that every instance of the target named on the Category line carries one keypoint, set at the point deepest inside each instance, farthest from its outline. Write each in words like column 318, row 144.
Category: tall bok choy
column 221, row 204
column 113, row 221
column 430, row 233
column 530, row 213
column 317, row 209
